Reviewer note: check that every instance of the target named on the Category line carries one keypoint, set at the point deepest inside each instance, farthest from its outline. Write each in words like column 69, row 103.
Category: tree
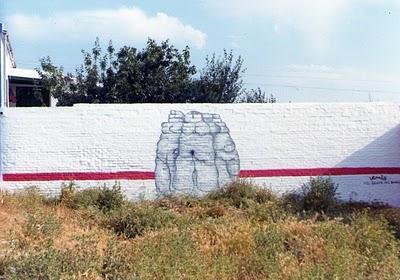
column 157, row 73
column 86, row 86
column 53, row 78
column 256, row 96
column 220, row 80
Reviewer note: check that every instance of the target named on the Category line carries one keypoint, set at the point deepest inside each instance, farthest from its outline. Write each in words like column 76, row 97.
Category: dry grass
column 240, row 232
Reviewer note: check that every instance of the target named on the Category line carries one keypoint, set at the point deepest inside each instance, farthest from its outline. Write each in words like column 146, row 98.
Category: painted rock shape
column 195, row 154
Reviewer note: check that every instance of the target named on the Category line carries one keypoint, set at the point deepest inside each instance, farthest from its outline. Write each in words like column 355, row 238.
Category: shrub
column 317, row 195
column 110, row 199
column 135, row 220
column 242, row 194
column 104, row 199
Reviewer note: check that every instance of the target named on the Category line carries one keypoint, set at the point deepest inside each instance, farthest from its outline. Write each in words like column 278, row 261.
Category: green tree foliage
column 54, row 79
column 256, row 96
column 159, row 73
column 220, row 80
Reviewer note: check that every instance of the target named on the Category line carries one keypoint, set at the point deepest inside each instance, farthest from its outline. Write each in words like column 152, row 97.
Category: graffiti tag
column 380, row 180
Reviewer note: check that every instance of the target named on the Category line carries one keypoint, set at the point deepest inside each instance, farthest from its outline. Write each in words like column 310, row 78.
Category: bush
column 178, row 203
column 110, row 199
column 135, row 220
column 317, row 195
column 242, row 194
column 103, row 199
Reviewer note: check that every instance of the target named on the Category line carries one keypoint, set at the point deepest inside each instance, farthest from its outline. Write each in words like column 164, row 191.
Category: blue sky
column 298, row 50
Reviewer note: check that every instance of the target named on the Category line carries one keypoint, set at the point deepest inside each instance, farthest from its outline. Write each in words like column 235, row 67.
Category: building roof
column 23, row 73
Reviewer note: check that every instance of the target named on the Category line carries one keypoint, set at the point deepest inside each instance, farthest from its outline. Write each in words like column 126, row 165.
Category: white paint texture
column 108, row 138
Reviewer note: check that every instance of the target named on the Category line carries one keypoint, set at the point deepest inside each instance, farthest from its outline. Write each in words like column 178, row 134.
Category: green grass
column 237, row 232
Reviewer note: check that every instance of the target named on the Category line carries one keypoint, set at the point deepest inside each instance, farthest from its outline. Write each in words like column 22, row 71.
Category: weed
column 104, row 199
column 215, row 211
column 41, row 224
column 135, row 220
column 48, row 262
column 118, row 261
column 238, row 232
column 318, row 195
column 68, row 193
column 242, row 194
column 110, row 199
column 29, row 198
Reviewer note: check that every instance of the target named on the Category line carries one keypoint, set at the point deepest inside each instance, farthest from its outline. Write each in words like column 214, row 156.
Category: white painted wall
column 105, row 138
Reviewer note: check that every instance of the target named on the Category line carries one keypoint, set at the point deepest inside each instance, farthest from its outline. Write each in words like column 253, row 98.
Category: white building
column 19, row 87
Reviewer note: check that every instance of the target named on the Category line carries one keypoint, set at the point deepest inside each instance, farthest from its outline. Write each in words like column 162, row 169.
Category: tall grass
column 238, row 232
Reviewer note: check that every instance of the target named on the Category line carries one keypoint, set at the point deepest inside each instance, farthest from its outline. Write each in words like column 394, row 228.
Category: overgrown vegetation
column 238, row 232
column 318, row 195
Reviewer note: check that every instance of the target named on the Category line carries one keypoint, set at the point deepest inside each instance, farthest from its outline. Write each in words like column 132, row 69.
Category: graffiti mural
column 195, row 154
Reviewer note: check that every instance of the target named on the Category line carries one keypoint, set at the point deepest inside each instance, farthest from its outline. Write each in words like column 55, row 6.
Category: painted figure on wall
column 195, row 154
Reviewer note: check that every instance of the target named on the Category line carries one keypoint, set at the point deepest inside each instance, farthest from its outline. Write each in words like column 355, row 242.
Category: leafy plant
column 110, row 198
column 104, row 199
column 135, row 220
column 318, row 195
column 41, row 224
column 117, row 262
column 48, row 262
column 242, row 194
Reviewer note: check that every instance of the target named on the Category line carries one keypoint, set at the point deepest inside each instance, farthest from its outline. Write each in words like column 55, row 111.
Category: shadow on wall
column 383, row 152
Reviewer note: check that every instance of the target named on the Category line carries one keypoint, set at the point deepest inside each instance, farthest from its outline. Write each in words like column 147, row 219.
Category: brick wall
column 279, row 145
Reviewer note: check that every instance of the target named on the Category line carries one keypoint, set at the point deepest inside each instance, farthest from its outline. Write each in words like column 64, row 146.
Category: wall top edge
column 199, row 106
column 238, row 104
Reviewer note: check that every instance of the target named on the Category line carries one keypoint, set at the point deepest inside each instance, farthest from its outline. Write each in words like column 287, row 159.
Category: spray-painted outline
column 195, row 154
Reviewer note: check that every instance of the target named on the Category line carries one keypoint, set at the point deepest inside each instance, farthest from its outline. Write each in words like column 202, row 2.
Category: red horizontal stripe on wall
column 318, row 172
column 83, row 176
column 149, row 175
